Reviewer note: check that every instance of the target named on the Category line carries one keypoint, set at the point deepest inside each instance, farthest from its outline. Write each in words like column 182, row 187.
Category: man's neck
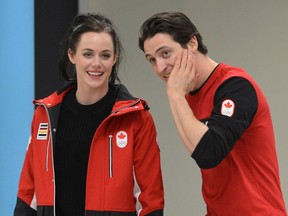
column 204, row 67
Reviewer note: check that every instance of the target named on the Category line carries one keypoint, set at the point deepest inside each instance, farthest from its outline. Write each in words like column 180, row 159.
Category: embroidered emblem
column 121, row 139
column 42, row 131
column 227, row 107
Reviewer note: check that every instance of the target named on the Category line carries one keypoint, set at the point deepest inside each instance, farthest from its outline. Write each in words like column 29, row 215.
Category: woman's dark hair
column 83, row 23
column 176, row 24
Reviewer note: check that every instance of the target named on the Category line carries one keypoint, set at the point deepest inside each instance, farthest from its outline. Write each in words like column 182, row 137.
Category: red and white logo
column 227, row 107
column 121, row 139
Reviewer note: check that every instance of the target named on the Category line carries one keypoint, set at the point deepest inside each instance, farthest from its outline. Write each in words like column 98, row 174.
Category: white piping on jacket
column 137, row 192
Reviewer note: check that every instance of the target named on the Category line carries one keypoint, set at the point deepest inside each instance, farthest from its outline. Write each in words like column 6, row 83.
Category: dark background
column 52, row 20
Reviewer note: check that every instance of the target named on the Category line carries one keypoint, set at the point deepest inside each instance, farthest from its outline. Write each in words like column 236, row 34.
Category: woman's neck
column 91, row 96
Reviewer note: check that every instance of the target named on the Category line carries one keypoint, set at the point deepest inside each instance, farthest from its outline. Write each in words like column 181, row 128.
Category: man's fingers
column 178, row 64
column 190, row 58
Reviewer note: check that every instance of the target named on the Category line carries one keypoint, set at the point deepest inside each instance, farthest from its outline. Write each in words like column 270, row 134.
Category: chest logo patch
column 121, row 139
column 227, row 108
column 42, row 131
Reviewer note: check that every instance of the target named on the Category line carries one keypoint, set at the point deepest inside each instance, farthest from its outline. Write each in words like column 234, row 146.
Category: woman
column 93, row 148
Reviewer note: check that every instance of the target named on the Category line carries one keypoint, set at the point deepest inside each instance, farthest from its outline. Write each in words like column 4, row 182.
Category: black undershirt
column 224, row 131
column 76, row 128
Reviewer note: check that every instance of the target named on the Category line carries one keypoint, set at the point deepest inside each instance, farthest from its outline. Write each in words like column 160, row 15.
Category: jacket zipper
column 124, row 107
column 110, row 157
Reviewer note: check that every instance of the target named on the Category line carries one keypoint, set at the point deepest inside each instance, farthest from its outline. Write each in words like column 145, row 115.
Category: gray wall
column 249, row 34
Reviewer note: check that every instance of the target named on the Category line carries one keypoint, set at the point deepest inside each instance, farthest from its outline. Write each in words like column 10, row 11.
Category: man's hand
column 183, row 77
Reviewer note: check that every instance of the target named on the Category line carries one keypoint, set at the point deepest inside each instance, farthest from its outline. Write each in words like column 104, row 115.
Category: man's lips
column 166, row 76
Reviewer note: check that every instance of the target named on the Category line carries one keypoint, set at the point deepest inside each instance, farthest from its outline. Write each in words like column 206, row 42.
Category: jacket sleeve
column 26, row 202
column 147, row 169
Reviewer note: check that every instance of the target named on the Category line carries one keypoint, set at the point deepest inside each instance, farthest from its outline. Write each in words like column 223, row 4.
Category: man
column 222, row 117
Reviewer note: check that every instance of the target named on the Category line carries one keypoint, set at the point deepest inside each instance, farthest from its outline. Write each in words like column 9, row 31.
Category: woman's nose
column 97, row 61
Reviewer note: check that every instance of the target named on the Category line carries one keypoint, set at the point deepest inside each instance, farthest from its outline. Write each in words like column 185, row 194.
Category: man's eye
column 166, row 53
column 152, row 60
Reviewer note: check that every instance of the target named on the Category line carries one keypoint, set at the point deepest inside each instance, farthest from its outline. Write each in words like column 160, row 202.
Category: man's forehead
column 157, row 42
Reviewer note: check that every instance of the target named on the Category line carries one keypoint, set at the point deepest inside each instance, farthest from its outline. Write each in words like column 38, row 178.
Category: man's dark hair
column 175, row 24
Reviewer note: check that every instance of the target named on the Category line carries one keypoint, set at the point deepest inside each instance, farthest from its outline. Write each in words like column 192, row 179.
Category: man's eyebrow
column 159, row 49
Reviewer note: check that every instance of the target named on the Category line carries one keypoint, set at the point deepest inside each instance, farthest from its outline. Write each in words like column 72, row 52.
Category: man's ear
column 70, row 54
column 194, row 44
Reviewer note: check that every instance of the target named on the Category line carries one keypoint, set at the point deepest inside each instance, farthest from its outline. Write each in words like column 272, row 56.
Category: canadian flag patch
column 227, row 108
column 121, row 139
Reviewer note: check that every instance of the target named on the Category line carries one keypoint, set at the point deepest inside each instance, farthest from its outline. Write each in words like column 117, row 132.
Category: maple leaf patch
column 121, row 139
column 227, row 107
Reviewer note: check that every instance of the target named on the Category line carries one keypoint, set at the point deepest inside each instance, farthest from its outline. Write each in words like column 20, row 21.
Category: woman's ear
column 115, row 58
column 70, row 54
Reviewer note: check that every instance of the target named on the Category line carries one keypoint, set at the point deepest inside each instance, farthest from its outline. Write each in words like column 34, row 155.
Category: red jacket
column 123, row 175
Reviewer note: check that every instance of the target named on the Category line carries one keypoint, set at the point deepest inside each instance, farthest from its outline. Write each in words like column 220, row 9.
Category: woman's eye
column 87, row 55
column 106, row 56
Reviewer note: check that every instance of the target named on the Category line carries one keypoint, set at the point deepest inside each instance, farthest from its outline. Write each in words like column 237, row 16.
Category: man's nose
column 160, row 66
